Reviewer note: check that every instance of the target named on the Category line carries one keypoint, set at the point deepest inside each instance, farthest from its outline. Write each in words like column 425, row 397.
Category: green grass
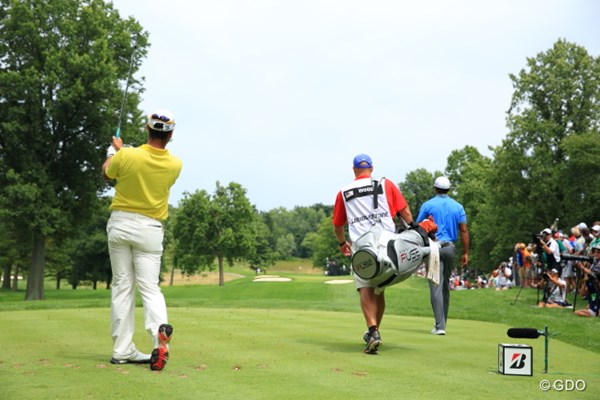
column 291, row 340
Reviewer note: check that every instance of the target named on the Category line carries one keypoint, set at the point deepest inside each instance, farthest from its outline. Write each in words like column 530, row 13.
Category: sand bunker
column 339, row 281
column 271, row 278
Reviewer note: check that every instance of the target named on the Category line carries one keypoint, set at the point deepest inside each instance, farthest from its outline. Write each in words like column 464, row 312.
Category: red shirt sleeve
column 339, row 211
column 395, row 198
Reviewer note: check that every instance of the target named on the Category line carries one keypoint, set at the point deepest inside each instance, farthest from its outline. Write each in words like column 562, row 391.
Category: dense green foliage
column 61, row 65
column 548, row 166
column 61, row 85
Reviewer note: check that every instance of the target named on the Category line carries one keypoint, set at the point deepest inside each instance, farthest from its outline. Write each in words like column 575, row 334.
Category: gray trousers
column 440, row 294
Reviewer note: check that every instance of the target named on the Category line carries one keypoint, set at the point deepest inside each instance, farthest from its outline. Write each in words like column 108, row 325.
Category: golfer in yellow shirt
column 144, row 177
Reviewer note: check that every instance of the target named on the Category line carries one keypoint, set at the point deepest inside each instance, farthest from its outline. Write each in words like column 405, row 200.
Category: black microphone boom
column 532, row 333
column 524, row 333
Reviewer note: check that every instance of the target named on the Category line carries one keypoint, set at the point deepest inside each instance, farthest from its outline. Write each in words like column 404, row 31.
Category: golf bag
column 385, row 258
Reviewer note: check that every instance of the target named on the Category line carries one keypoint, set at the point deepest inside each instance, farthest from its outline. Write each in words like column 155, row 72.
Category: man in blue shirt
column 450, row 217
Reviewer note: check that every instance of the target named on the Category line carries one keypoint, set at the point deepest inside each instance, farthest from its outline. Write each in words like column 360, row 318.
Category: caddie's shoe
column 136, row 358
column 366, row 336
column 440, row 332
column 160, row 355
column 373, row 343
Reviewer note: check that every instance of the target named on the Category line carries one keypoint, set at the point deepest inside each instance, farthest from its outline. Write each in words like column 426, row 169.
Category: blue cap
column 363, row 161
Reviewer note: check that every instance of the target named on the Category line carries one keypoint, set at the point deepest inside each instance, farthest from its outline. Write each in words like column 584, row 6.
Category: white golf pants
column 135, row 247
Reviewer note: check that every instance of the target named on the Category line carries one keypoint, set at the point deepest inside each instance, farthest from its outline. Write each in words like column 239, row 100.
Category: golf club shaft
column 118, row 131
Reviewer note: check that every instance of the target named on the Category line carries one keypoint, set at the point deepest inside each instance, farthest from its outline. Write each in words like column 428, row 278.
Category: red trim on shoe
column 160, row 355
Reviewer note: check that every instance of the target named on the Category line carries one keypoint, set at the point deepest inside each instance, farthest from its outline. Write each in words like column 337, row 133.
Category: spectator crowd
column 562, row 265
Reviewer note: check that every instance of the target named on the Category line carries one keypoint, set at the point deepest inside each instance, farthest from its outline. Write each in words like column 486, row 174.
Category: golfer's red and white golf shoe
column 160, row 355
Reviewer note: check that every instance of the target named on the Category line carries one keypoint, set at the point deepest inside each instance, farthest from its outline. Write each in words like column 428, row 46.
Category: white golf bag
column 385, row 258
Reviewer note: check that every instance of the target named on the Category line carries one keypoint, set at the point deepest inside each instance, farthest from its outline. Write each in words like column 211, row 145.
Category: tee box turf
column 515, row 359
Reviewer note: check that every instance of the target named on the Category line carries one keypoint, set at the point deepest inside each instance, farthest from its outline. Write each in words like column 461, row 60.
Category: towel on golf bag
column 386, row 258
column 433, row 263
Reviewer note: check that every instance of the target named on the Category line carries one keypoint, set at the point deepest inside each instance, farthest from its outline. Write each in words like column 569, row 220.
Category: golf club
column 118, row 131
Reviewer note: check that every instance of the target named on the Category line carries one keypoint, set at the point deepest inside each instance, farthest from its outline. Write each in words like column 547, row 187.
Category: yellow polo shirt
column 144, row 178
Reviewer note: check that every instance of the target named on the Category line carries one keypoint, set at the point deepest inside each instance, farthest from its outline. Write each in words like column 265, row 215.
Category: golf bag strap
column 376, row 185
column 375, row 196
column 391, row 252
column 387, row 281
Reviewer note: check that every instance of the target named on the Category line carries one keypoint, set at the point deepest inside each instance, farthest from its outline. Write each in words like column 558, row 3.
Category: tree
column 12, row 254
column 417, row 188
column 324, row 245
column 285, row 246
column 290, row 227
column 262, row 254
column 190, row 226
column 555, row 109
column 222, row 227
column 304, row 221
column 90, row 258
column 580, row 176
column 468, row 172
column 61, row 65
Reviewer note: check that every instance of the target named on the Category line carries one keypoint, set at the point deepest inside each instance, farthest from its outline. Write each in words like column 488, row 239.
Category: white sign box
column 515, row 359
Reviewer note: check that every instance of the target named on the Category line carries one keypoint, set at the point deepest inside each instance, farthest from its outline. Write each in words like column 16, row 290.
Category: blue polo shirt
column 447, row 214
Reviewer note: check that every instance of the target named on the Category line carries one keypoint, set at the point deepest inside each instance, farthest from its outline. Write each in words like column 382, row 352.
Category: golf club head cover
column 429, row 225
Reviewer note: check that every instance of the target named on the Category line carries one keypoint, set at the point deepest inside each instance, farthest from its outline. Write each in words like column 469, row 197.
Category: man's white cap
column 442, row 182
column 582, row 225
column 596, row 228
column 161, row 120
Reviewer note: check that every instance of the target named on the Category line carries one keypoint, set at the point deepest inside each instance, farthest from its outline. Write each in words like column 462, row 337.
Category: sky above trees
column 279, row 96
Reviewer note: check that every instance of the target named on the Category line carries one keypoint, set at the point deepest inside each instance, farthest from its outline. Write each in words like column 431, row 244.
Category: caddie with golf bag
column 380, row 256
column 385, row 258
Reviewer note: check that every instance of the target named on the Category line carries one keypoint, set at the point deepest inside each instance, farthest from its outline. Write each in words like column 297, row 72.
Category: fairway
column 240, row 353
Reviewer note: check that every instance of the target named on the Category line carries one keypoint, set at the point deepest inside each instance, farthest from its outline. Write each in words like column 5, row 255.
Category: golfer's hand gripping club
column 117, row 144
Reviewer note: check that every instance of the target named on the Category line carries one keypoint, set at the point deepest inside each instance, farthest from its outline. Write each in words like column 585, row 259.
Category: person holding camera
column 555, row 291
column 591, row 288
column 595, row 232
column 550, row 249
column 504, row 274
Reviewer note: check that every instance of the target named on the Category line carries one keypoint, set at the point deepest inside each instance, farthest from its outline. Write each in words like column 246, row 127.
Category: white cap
column 596, row 228
column 546, row 231
column 442, row 182
column 582, row 225
column 161, row 120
